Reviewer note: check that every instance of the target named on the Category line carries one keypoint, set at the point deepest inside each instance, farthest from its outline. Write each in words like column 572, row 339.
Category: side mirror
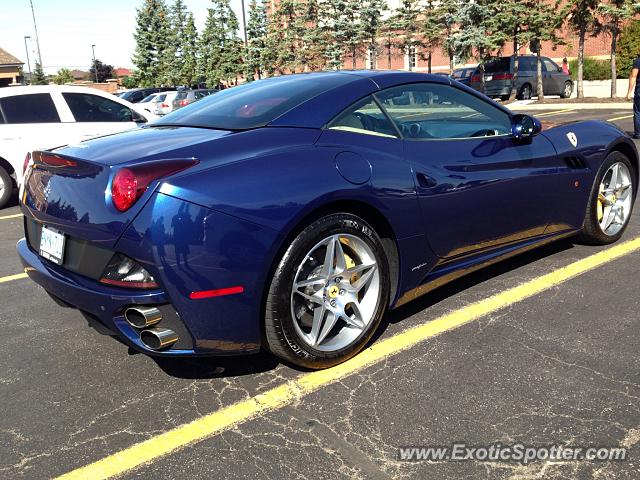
column 137, row 117
column 524, row 126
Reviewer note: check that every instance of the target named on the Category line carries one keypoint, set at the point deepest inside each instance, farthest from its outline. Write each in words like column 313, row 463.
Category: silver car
column 498, row 78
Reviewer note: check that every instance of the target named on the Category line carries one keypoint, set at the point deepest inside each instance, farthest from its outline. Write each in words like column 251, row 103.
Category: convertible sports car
column 290, row 213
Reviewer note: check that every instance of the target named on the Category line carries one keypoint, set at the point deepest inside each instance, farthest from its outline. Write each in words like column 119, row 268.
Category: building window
column 372, row 57
column 412, row 57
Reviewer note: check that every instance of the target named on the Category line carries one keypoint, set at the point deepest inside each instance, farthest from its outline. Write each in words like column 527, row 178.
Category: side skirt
column 453, row 270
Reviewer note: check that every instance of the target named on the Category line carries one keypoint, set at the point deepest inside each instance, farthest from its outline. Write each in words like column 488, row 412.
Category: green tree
column 63, row 76
column 285, row 36
column 189, row 70
column 478, row 33
column 407, row 24
column 129, row 82
column 256, row 40
column 371, row 12
column 311, row 55
column 152, row 30
column 543, row 24
column 512, row 18
column 613, row 14
column 628, row 47
column 38, row 77
column 446, row 13
column 582, row 18
column 104, row 71
column 431, row 31
column 173, row 54
column 220, row 46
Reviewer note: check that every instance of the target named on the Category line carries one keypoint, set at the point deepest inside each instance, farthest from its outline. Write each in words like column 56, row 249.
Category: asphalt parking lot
column 556, row 367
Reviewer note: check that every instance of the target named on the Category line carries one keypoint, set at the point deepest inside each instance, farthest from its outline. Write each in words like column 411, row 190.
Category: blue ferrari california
column 290, row 213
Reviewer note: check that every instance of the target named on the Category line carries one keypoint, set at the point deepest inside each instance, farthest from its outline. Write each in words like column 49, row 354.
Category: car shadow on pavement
column 457, row 286
column 217, row 367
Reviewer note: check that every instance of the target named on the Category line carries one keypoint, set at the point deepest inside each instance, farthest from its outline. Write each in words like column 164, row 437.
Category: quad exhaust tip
column 142, row 317
column 158, row 338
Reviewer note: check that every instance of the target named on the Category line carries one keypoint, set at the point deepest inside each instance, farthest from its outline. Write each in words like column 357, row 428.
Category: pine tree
column 256, row 40
column 152, row 29
column 511, row 18
column 313, row 39
column 189, row 69
column 478, row 33
column 446, row 12
column 285, row 36
column 431, row 31
column 38, row 77
column 543, row 24
column 219, row 45
column 614, row 13
column 582, row 19
column 370, row 26
column 407, row 25
column 173, row 55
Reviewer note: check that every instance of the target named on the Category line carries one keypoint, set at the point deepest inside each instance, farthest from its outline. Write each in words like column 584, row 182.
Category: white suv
column 37, row 117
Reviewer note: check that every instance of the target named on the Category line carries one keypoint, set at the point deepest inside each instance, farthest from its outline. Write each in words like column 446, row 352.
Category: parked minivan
column 498, row 78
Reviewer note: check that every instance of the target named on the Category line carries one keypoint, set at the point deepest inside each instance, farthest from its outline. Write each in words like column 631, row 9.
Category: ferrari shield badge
column 573, row 139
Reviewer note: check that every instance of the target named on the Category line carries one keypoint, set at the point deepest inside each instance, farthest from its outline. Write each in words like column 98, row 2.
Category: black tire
column 591, row 233
column 281, row 336
column 7, row 191
column 526, row 92
column 568, row 90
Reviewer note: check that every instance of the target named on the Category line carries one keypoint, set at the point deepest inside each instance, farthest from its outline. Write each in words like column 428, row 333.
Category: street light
column 95, row 67
column 27, row 37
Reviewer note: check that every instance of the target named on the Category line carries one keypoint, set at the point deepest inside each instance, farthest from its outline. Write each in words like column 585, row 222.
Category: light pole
column 244, row 24
column 26, row 48
column 95, row 67
column 35, row 27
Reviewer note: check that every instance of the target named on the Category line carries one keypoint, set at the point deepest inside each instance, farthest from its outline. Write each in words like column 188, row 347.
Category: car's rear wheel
column 525, row 92
column 610, row 202
column 6, row 187
column 568, row 90
column 328, row 293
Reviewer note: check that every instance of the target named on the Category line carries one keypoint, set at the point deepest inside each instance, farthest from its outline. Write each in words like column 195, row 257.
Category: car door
column 96, row 115
column 551, row 80
column 478, row 187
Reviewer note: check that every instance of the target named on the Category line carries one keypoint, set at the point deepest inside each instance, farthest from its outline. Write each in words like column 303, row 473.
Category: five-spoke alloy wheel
column 611, row 201
column 328, row 293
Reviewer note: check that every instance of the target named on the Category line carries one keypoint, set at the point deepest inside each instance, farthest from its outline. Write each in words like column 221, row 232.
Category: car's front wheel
column 525, row 92
column 610, row 202
column 328, row 293
column 567, row 90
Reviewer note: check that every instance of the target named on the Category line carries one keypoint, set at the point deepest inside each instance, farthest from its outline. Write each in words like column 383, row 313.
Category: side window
column 549, row 65
column 527, row 64
column 31, row 108
column 364, row 117
column 94, row 108
column 425, row 111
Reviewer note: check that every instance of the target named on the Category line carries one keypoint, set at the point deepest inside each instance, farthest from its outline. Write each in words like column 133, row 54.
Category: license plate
column 52, row 245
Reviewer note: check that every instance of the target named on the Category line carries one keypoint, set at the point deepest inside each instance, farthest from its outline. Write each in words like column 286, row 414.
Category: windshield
column 254, row 104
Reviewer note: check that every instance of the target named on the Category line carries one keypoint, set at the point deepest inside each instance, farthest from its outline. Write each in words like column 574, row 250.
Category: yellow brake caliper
column 600, row 207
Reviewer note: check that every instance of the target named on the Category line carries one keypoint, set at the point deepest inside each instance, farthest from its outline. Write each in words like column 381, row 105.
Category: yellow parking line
column 557, row 112
column 293, row 390
column 624, row 117
column 7, row 217
column 10, row 278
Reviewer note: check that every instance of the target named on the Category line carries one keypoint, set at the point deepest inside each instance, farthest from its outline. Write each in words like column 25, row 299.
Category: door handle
column 425, row 181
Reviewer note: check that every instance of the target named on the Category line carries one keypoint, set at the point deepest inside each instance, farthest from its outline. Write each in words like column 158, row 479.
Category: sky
column 68, row 28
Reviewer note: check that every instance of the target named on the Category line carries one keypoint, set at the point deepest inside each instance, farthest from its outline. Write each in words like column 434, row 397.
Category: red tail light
column 164, row 105
column 130, row 183
column 476, row 78
column 503, row 76
column 183, row 103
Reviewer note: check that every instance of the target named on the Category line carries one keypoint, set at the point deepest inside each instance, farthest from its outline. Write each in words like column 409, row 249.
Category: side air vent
column 575, row 163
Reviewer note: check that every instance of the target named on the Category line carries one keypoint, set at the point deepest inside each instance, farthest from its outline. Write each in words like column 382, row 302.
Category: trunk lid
column 69, row 188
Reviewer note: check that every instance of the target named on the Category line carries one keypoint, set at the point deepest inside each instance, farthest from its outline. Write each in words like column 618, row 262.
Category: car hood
column 147, row 143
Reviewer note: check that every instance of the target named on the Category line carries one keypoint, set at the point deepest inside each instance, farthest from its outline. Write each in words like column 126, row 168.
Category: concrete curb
column 565, row 106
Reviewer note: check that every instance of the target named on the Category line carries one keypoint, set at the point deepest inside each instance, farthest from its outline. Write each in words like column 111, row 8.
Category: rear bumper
column 105, row 303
